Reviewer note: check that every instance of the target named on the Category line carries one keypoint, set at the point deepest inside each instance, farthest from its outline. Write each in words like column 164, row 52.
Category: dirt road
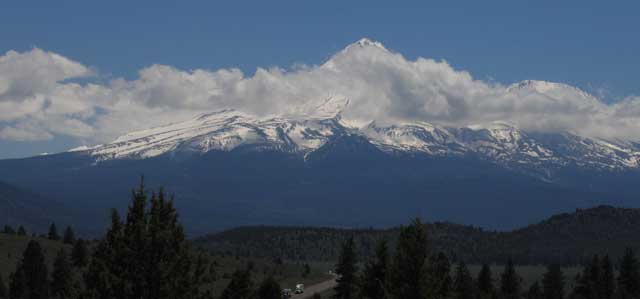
column 316, row 288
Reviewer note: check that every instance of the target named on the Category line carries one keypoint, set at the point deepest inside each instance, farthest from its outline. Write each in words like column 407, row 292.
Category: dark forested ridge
column 569, row 238
column 21, row 207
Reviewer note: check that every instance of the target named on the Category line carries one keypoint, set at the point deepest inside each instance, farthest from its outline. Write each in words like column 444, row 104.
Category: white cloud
column 37, row 101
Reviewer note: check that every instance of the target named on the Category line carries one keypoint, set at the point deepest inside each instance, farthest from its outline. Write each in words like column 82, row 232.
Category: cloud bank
column 41, row 99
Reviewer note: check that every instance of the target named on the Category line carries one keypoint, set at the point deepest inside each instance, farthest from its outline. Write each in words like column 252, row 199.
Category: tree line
column 414, row 272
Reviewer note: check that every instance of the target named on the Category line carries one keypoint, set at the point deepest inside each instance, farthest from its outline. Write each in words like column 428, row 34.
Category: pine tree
column 534, row 292
column 62, row 277
column 240, row 286
column 463, row 283
column 486, row 289
column 22, row 231
column 375, row 273
column 8, row 229
column 147, row 255
column 607, row 282
column 53, row 232
column 629, row 274
column 439, row 281
column 79, row 254
column 509, row 282
column 346, row 270
column 269, row 289
column 553, row 282
column 409, row 268
column 4, row 293
column 69, row 236
column 30, row 277
column 18, row 286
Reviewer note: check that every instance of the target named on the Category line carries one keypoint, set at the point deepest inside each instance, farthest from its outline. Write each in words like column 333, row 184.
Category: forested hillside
column 570, row 238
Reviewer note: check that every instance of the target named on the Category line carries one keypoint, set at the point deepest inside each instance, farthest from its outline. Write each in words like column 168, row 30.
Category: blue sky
column 593, row 45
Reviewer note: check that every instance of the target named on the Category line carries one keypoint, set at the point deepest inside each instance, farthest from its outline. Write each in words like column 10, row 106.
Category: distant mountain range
column 568, row 238
column 313, row 166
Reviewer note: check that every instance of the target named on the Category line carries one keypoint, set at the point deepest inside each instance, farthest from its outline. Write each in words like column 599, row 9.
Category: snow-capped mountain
column 310, row 128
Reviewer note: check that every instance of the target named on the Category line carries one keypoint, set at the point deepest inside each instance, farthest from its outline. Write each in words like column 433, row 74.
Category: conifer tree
column 439, row 281
column 18, row 285
column 534, row 292
column 240, row 286
column 375, row 274
column 629, row 275
column 553, row 282
column 409, row 274
column 486, row 288
column 53, row 232
column 346, row 270
column 463, row 283
column 4, row 293
column 22, row 231
column 69, row 236
column 8, row 229
column 509, row 282
column 607, row 282
column 62, row 277
column 269, row 289
column 79, row 254
column 147, row 255
column 30, row 277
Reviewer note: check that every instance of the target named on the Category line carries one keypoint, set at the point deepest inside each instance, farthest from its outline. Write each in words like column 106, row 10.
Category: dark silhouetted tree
column 147, row 255
column 486, row 289
column 53, row 232
column 409, row 275
column 629, row 275
column 346, row 269
column 509, row 282
column 607, row 283
column 374, row 279
column 69, row 236
column 8, row 229
column 439, row 281
column 62, row 277
column 463, row 283
column 30, row 277
column 4, row 293
column 240, row 286
column 22, row 231
column 79, row 254
column 553, row 282
column 534, row 292
column 269, row 289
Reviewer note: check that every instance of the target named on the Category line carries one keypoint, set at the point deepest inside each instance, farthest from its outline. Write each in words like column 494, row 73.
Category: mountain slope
column 567, row 238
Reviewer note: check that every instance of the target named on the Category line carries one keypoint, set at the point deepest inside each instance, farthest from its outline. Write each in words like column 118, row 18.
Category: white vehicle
column 299, row 288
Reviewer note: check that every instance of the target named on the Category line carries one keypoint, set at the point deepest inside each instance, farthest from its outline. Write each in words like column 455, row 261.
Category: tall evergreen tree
column 30, row 277
column 553, row 282
column 629, row 275
column 8, row 229
column 53, row 232
column 240, row 286
column 4, row 293
column 607, row 282
column 69, row 236
column 269, row 289
column 375, row 274
column 534, row 292
column 463, row 283
column 79, row 254
column 346, row 269
column 409, row 275
column 588, row 282
column 147, row 255
column 22, row 231
column 510, row 282
column 439, row 281
column 486, row 288
column 62, row 277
